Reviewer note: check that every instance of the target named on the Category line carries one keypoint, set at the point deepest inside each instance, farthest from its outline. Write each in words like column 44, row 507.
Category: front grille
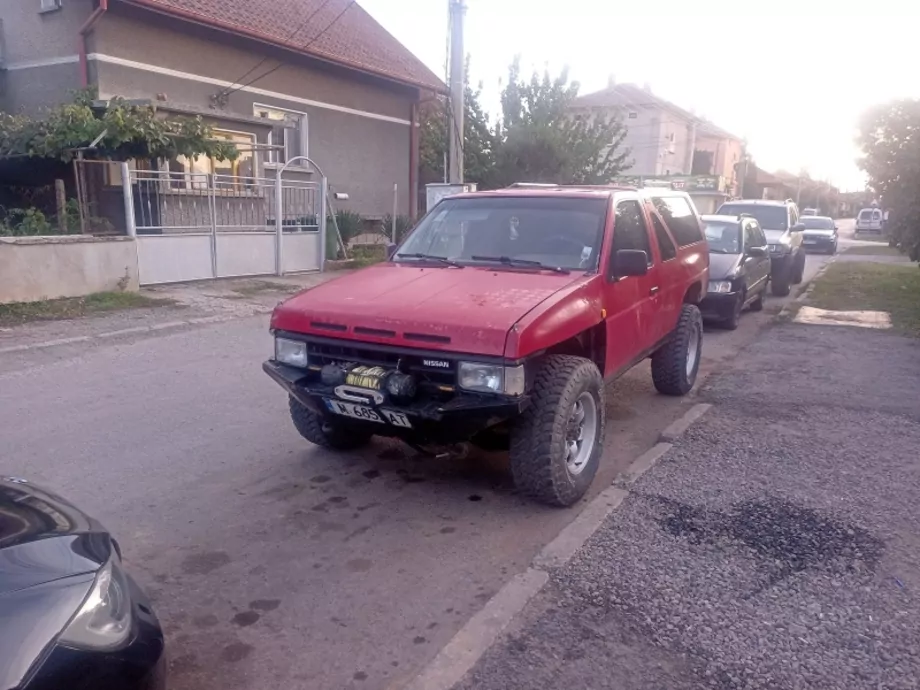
column 328, row 352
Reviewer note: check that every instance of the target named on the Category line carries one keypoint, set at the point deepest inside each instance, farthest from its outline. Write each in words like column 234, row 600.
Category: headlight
column 104, row 620
column 491, row 378
column 720, row 286
column 291, row 352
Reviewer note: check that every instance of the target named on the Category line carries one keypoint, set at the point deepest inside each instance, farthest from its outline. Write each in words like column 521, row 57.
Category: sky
column 793, row 82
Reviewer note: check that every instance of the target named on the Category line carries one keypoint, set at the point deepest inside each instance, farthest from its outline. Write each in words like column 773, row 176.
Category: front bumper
column 819, row 242
column 139, row 665
column 456, row 419
column 719, row 305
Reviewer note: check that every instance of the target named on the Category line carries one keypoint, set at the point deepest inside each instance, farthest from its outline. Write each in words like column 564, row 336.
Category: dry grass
column 19, row 313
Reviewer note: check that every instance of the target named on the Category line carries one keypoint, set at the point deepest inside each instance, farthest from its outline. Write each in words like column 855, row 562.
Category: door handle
column 654, row 290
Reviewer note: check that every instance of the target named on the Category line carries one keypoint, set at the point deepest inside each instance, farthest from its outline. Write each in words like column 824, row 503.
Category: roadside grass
column 858, row 286
column 19, row 313
column 880, row 250
column 259, row 287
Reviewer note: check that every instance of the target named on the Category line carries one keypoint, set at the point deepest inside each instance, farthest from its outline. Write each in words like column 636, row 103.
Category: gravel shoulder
column 775, row 546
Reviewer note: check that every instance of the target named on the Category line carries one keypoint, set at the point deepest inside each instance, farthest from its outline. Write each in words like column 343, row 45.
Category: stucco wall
column 726, row 152
column 31, row 40
column 359, row 133
column 36, row 268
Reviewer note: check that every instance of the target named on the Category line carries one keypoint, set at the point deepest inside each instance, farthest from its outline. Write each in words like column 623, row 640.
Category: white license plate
column 367, row 414
column 811, row 241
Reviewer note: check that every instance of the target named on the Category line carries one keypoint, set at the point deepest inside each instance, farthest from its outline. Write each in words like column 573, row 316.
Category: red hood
column 467, row 310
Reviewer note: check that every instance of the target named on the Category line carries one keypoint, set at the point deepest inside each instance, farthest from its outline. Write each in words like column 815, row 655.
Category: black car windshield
column 769, row 217
column 558, row 232
column 723, row 238
column 818, row 223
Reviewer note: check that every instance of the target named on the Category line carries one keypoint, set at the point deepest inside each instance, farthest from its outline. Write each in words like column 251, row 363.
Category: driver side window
column 630, row 230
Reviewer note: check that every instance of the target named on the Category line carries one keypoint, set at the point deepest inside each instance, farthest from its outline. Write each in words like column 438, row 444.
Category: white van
column 869, row 220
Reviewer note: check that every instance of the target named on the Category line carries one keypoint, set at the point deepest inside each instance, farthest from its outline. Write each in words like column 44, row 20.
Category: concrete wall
column 40, row 53
column 37, row 268
column 358, row 127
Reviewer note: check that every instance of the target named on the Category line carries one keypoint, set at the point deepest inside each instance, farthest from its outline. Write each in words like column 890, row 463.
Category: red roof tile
column 354, row 40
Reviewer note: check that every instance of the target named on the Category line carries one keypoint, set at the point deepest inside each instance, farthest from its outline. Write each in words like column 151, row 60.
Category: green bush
column 26, row 222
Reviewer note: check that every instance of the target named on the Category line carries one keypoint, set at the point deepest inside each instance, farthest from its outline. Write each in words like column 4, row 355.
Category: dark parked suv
column 781, row 224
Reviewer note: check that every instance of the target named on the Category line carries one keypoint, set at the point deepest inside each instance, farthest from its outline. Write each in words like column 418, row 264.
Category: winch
column 371, row 381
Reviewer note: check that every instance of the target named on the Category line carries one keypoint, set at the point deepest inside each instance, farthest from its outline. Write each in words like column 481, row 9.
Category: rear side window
column 665, row 243
column 680, row 218
column 629, row 230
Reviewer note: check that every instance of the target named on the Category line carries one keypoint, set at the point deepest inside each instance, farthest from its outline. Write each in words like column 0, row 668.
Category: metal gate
column 194, row 226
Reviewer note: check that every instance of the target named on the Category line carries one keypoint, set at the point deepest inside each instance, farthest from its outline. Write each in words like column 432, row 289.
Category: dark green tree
column 890, row 140
column 541, row 139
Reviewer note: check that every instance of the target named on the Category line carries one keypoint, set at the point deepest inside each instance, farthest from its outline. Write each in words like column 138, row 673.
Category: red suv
column 497, row 321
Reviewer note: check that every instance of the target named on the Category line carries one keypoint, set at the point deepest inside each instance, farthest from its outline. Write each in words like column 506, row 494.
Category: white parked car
column 869, row 220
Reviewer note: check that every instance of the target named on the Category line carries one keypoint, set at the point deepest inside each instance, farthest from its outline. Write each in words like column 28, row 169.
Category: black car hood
column 44, row 538
column 721, row 266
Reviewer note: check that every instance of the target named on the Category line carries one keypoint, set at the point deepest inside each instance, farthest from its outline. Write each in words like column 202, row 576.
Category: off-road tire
column 757, row 304
column 327, row 432
column 669, row 363
column 798, row 271
column 538, row 436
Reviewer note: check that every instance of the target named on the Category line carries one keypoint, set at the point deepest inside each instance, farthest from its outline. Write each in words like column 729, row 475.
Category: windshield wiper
column 430, row 257
column 511, row 261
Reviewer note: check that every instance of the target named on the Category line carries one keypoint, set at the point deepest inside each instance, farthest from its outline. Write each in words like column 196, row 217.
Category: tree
column 537, row 139
column 890, row 140
column 478, row 139
column 127, row 131
column 540, row 139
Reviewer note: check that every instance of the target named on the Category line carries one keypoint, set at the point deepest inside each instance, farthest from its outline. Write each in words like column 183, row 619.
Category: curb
column 464, row 650
column 156, row 328
column 809, row 288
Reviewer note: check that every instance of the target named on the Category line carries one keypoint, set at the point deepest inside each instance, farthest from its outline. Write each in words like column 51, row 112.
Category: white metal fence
column 193, row 226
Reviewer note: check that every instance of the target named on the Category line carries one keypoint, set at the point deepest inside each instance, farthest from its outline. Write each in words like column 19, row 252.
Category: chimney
column 611, row 81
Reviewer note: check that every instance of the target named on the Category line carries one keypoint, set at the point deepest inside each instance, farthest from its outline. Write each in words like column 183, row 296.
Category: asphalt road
column 272, row 563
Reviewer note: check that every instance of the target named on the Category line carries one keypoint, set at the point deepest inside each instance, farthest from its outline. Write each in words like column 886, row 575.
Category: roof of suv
column 534, row 189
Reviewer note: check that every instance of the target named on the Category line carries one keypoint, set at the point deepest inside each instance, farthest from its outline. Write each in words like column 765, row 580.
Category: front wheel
column 556, row 444
column 799, row 270
column 731, row 323
column 676, row 364
column 327, row 432
column 757, row 304
column 780, row 280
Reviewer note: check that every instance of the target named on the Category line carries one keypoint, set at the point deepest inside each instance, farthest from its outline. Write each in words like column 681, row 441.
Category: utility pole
column 457, row 90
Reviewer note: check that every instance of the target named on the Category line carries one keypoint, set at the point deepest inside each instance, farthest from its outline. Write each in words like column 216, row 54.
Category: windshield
column 769, row 217
column 818, row 223
column 724, row 238
column 559, row 232
column 868, row 214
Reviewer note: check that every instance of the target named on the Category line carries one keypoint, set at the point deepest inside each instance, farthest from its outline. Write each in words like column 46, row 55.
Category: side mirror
column 757, row 251
column 798, row 227
column 629, row 262
column 836, row 228
column 391, row 250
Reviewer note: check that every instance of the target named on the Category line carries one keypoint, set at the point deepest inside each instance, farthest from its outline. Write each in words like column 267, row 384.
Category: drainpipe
column 413, row 163
column 101, row 9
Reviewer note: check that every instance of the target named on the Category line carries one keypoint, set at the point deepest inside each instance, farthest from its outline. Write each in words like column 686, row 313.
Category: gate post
column 127, row 189
column 212, row 209
column 323, row 191
column 279, row 224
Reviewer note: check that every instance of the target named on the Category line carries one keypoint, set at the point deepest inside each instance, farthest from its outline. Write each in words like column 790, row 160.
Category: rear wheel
column 327, row 432
column 757, row 304
column 556, row 444
column 676, row 364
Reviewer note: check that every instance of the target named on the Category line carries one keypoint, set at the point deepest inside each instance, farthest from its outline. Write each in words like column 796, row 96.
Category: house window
column 633, row 115
column 290, row 130
column 191, row 173
column 49, row 5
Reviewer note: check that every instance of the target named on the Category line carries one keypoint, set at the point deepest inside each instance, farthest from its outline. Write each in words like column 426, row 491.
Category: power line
column 230, row 91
